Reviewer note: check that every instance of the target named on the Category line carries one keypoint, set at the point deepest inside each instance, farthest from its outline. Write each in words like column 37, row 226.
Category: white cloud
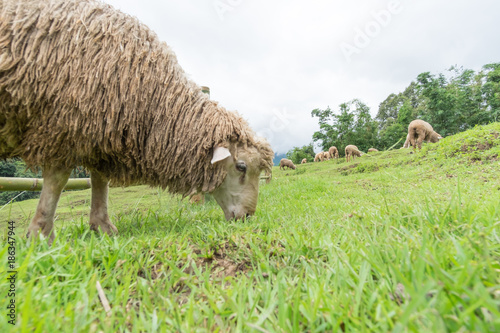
column 286, row 55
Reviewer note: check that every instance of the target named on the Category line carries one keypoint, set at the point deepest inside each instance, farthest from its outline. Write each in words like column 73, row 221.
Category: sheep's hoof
column 106, row 227
column 34, row 233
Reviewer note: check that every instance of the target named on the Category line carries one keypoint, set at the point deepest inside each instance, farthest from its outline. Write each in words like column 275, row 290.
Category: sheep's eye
column 241, row 166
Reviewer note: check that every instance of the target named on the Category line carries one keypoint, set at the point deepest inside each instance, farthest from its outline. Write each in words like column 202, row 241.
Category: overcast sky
column 275, row 61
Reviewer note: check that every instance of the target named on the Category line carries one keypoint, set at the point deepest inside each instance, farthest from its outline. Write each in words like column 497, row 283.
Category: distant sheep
column 372, row 150
column 319, row 157
column 84, row 84
column 407, row 142
column 334, row 152
column 286, row 163
column 326, row 156
column 419, row 131
column 304, row 161
column 352, row 151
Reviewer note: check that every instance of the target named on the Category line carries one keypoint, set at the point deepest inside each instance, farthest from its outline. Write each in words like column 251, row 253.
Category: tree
column 461, row 100
column 399, row 128
column 7, row 169
column 365, row 128
column 297, row 154
column 16, row 168
column 353, row 125
column 491, row 90
column 326, row 130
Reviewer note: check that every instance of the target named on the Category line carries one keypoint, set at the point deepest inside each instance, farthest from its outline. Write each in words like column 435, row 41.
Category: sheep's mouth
column 245, row 217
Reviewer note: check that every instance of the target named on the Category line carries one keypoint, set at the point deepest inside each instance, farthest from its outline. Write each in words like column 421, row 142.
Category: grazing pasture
column 395, row 241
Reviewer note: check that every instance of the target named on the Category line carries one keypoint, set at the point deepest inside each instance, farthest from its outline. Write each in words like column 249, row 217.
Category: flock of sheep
column 418, row 132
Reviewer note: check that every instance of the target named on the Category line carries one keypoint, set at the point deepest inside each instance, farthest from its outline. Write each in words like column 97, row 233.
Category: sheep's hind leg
column 54, row 180
column 99, row 205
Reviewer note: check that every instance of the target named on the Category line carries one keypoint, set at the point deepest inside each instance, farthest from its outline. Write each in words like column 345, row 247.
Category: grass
column 390, row 242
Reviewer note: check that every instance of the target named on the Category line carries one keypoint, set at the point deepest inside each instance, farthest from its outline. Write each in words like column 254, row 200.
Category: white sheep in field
column 318, row 157
column 419, row 131
column 351, row 151
column 407, row 142
column 304, row 161
column 334, row 152
column 287, row 163
column 82, row 83
column 326, row 156
column 371, row 150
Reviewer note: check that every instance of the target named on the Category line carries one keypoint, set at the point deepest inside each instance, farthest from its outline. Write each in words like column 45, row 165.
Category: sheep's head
column 435, row 137
column 238, row 193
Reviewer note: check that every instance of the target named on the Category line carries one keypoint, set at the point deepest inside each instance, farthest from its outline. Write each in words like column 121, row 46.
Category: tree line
column 451, row 102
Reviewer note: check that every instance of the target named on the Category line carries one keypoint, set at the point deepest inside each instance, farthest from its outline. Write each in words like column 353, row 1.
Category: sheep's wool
column 84, row 84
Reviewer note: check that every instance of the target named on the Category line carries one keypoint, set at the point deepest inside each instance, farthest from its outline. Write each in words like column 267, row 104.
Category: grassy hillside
column 393, row 241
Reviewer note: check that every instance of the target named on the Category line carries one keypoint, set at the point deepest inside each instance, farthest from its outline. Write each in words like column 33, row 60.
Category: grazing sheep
column 407, row 142
column 318, row 157
column 304, row 161
column 84, row 84
column 419, row 131
column 372, row 150
column 326, row 155
column 352, row 151
column 286, row 163
column 334, row 152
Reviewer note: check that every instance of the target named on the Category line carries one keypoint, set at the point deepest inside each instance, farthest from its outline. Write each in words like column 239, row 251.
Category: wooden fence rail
column 35, row 184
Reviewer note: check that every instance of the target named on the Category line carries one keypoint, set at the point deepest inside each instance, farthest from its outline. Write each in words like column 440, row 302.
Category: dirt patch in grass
column 486, row 143
column 221, row 263
column 347, row 167
column 78, row 202
column 478, row 146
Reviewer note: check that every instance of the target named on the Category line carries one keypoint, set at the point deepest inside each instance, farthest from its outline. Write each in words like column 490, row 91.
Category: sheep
column 82, row 83
column 334, row 152
column 326, row 156
column 372, row 150
column 287, row 163
column 304, row 161
column 352, row 151
column 318, row 157
column 419, row 131
column 407, row 142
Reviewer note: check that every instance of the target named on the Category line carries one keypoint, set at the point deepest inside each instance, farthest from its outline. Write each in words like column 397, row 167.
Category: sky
column 275, row 61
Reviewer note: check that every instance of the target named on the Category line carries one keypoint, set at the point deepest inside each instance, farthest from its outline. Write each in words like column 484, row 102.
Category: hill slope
column 392, row 241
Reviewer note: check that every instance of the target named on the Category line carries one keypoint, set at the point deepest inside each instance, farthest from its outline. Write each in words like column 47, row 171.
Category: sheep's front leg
column 413, row 142
column 99, row 205
column 54, row 180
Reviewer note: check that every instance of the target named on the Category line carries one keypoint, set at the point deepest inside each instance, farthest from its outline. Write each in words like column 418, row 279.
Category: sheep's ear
column 220, row 153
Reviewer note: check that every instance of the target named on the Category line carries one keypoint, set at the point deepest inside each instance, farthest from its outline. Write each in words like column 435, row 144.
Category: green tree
column 326, row 128
column 17, row 168
column 352, row 125
column 399, row 128
column 461, row 99
column 7, row 169
column 491, row 90
column 365, row 128
column 297, row 154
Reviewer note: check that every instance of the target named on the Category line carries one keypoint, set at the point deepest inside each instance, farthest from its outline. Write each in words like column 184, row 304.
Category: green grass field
column 390, row 242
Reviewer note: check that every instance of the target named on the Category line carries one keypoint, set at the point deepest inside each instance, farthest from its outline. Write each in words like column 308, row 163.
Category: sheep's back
column 81, row 80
